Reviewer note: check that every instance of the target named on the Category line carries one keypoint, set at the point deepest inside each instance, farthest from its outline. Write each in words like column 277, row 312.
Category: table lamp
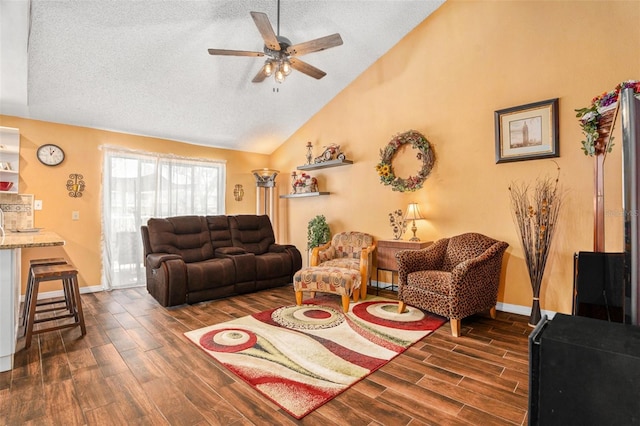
column 413, row 214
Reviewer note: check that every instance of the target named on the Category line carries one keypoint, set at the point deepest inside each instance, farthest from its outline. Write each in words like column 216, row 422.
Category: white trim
column 503, row 307
column 522, row 310
column 59, row 293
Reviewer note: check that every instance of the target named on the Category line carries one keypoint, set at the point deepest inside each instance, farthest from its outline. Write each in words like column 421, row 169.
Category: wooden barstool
column 29, row 289
column 68, row 274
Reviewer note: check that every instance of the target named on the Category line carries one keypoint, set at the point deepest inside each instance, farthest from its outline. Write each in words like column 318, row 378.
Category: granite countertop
column 39, row 238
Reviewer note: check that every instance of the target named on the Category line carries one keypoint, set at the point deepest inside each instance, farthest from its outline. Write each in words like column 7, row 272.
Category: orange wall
column 446, row 79
column 83, row 156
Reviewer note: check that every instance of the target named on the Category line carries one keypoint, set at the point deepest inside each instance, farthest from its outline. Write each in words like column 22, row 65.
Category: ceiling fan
column 281, row 53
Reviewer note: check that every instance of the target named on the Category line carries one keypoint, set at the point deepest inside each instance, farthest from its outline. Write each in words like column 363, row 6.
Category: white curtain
column 140, row 185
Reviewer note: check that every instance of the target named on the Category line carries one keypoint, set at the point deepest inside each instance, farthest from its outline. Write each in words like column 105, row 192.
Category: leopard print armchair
column 454, row 277
column 352, row 250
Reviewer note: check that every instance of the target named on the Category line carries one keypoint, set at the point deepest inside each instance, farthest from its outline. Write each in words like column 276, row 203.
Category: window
column 138, row 186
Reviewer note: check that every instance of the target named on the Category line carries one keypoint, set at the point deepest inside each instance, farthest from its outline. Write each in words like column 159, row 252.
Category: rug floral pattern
column 300, row 357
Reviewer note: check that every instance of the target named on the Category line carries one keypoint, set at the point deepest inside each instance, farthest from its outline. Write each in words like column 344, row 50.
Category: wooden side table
column 386, row 255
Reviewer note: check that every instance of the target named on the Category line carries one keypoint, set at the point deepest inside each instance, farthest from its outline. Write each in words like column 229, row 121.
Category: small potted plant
column 318, row 232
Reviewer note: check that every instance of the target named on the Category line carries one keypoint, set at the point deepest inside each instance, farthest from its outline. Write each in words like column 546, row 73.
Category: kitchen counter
column 41, row 238
column 10, row 253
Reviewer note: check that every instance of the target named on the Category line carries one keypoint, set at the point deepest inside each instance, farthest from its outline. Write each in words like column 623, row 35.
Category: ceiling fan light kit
column 282, row 55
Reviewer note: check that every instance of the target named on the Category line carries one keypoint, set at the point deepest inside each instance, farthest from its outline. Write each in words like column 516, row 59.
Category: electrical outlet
column 75, row 215
column 37, row 205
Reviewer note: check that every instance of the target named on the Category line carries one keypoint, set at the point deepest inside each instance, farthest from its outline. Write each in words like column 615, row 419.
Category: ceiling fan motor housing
column 284, row 44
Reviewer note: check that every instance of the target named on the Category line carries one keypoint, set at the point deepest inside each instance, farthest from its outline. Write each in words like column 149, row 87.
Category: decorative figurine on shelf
column 309, row 152
column 398, row 224
column 304, row 183
column 331, row 152
column 294, row 178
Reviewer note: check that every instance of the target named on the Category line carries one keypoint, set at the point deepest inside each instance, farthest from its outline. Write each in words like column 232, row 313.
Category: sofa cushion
column 343, row 262
column 210, row 274
column 273, row 265
column 219, row 231
column 350, row 244
column 463, row 247
column 434, row 281
column 187, row 236
column 252, row 233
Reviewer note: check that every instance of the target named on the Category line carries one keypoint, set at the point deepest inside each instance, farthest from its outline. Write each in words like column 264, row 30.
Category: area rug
column 300, row 357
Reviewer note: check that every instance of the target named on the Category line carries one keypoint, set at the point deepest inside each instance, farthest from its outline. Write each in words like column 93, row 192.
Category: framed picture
column 527, row 132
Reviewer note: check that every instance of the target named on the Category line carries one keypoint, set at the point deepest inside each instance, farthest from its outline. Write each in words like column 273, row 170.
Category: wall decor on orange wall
column 527, row 132
column 75, row 185
column 425, row 155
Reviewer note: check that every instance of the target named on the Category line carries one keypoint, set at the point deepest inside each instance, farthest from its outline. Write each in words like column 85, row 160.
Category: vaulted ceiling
column 142, row 67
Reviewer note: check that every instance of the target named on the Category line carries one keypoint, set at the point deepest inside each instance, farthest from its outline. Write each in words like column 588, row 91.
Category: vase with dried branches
column 535, row 212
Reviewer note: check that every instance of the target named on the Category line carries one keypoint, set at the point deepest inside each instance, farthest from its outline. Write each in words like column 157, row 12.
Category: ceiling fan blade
column 316, row 45
column 307, row 69
column 259, row 78
column 266, row 30
column 225, row 52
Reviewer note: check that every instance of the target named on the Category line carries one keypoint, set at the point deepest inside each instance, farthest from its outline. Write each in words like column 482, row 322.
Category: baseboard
column 521, row 310
column 59, row 293
column 503, row 307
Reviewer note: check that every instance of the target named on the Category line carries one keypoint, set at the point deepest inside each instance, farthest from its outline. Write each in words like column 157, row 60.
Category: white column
column 9, row 305
column 265, row 193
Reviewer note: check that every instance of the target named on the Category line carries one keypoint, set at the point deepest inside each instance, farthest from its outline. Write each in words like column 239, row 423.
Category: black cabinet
column 584, row 371
column 600, row 288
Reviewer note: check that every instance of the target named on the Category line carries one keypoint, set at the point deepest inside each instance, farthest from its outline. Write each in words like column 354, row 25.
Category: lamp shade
column 413, row 212
column 268, row 68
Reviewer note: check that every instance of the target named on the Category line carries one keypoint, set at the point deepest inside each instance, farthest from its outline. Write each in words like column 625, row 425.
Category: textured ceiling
column 142, row 67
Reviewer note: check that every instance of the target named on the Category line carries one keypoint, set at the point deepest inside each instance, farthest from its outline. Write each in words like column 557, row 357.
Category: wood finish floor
column 135, row 367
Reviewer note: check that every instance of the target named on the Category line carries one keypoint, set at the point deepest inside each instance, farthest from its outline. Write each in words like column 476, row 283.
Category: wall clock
column 50, row 154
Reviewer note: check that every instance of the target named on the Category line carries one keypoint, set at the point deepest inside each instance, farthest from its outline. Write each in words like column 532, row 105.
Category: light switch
column 37, row 205
column 75, row 215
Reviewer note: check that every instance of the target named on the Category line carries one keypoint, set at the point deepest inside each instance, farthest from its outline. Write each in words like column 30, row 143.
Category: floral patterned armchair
column 352, row 250
column 454, row 277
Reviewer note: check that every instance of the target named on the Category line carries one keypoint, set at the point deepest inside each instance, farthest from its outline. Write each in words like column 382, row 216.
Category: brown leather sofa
column 192, row 259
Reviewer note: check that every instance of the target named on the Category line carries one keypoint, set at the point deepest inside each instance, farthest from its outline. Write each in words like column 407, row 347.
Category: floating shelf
column 9, row 150
column 325, row 164
column 305, row 194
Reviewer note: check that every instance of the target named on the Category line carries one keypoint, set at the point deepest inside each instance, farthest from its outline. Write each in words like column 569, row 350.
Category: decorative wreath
column 425, row 154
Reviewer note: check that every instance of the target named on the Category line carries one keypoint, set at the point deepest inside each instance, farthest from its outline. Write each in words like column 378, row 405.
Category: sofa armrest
column 480, row 274
column 322, row 253
column 278, row 248
column 154, row 260
column 365, row 261
column 426, row 259
column 167, row 278
column 365, row 254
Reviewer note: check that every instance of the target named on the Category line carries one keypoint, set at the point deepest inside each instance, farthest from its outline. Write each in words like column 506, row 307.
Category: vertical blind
column 140, row 185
